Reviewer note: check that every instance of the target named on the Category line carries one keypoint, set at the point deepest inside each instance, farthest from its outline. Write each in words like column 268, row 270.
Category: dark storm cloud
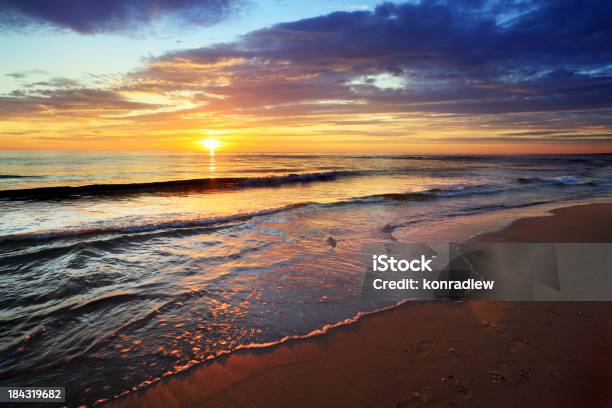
column 88, row 17
column 459, row 56
column 452, row 33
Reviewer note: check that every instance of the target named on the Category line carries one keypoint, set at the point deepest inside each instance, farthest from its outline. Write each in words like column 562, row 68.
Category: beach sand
column 430, row 354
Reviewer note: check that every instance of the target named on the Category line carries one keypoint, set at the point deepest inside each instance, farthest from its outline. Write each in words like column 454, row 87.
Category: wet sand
column 579, row 223
column 430, row 354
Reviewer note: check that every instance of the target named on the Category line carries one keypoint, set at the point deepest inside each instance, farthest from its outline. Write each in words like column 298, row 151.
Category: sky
column 325, row 76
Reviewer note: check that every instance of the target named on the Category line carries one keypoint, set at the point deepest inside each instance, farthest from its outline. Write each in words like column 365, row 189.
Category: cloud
column 440, row 56
column 70, row 103
column 90, row 17
column 25, row 74
column 456, row 69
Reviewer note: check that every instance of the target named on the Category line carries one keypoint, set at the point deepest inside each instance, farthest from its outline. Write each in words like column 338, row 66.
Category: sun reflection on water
column 212, row 165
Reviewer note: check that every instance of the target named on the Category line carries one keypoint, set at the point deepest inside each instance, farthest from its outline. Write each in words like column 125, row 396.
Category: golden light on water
column 211, row 145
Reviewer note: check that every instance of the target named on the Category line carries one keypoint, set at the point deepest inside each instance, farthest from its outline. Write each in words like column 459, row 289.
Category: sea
column 118, row 270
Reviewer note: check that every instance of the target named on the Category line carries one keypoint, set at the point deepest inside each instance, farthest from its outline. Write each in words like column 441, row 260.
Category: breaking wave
column 220, row 221
column 191, row 185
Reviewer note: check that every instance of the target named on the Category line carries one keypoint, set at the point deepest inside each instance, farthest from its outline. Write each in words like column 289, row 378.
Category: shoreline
column 576, row 223
column 432, row 354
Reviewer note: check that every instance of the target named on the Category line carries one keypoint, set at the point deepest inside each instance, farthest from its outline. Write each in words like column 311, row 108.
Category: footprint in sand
column 463, row 389
column 506, row 371
column 504, row 365
column 518, row 344
column 485, row 327
column 496, row 377
column 524, row 375
column 458, row 385
column 420, row 400
column 424, row 347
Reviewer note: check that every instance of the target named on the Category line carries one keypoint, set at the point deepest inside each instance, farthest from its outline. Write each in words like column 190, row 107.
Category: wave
column 147, row 227
column 175, row 224
column 223, row 221
column 72, row 308
column 439, row 192
column 190, row 185
column 178, row 224
column 562, row 180
column 17, row 176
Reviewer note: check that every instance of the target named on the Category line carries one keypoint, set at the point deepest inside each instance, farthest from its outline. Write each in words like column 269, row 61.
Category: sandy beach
column 441, row 354
column 257, row 203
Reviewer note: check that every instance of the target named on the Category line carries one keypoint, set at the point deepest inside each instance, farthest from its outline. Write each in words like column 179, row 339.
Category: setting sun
column 211, row 145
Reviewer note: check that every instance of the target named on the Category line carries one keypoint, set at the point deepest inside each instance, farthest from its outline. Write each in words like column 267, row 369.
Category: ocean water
column 121, row 269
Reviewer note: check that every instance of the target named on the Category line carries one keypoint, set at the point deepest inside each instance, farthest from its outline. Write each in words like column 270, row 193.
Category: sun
column 211, row 145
